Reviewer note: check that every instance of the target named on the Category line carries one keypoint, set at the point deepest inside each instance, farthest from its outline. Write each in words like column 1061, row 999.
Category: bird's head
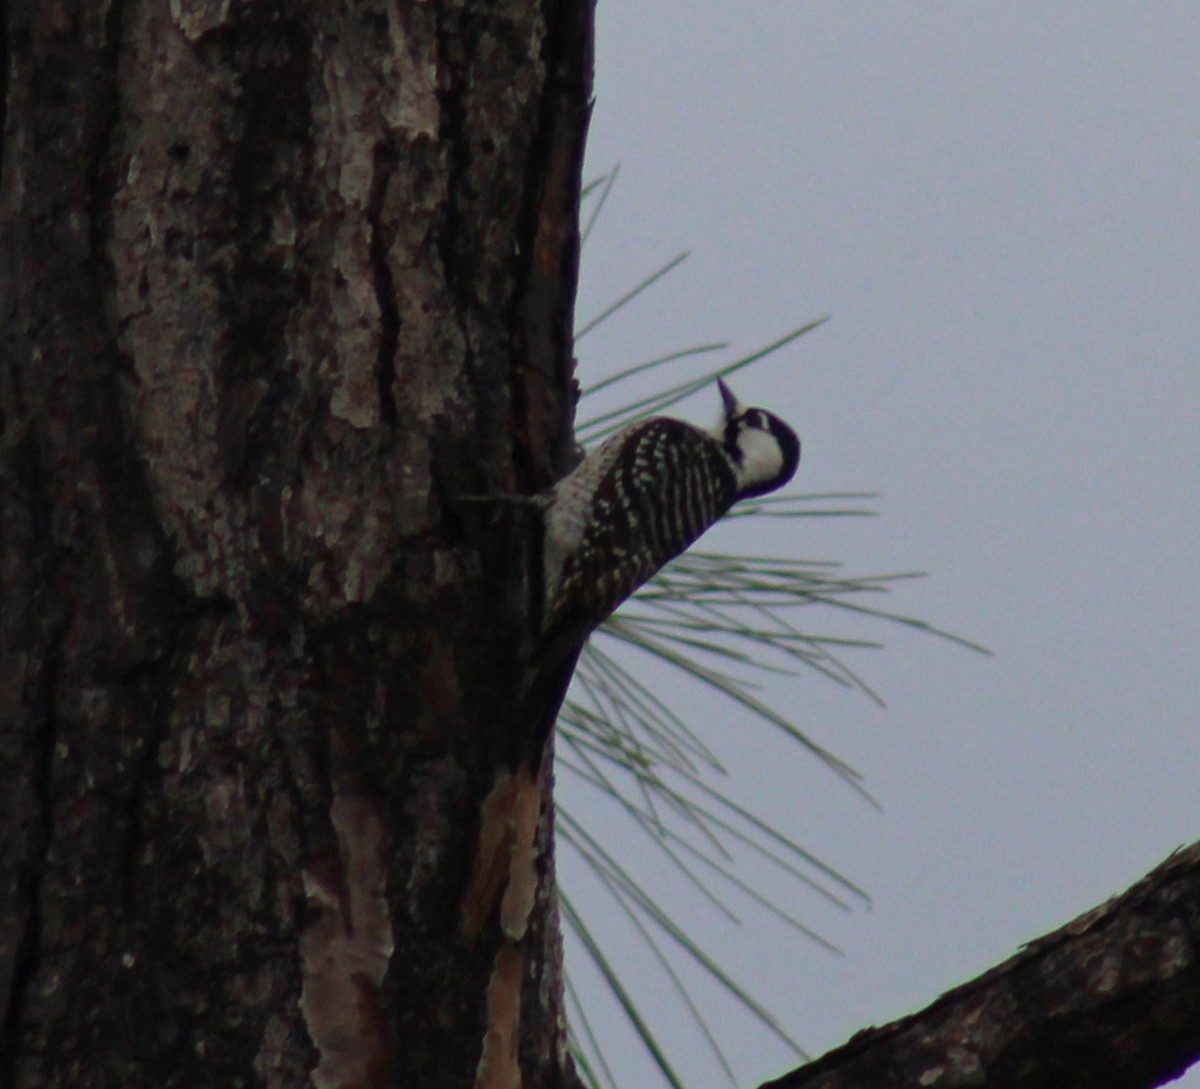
column 764, row 451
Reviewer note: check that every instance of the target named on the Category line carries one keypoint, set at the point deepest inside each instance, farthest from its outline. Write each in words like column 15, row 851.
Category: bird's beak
column 732, row 406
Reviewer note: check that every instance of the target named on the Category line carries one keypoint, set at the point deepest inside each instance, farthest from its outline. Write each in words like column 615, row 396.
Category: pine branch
column 1109, row 1001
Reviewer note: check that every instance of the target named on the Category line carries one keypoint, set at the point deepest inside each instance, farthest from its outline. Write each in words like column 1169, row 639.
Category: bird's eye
column 757, row 418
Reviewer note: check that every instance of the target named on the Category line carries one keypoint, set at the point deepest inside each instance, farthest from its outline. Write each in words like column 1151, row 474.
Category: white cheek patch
column 762, row 458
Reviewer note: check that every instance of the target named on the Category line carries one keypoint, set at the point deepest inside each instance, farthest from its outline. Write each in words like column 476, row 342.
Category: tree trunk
column 279, row 281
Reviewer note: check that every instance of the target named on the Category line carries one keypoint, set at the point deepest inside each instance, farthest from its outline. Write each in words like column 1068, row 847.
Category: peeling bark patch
column 346, row 950
column 498, row 1066
column 489, row 871
column 521, row 892
column 504, row 870
column 200, row 17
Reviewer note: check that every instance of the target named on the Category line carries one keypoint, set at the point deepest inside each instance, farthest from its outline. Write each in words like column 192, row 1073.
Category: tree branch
column 1110, row 1001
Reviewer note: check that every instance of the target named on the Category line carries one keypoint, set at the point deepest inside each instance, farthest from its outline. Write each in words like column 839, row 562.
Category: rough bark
column 1110, row 1001
column 278, row 281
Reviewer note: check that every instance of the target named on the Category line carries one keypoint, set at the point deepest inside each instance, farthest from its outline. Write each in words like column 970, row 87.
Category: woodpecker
column 627, row 509
column 630, row 507
column 644, row 496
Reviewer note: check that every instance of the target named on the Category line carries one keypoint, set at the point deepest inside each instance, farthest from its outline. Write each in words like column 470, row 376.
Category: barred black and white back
column 644, row 496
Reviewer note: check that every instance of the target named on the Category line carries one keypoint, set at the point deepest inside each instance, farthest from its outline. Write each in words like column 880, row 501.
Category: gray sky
column 999, row 207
